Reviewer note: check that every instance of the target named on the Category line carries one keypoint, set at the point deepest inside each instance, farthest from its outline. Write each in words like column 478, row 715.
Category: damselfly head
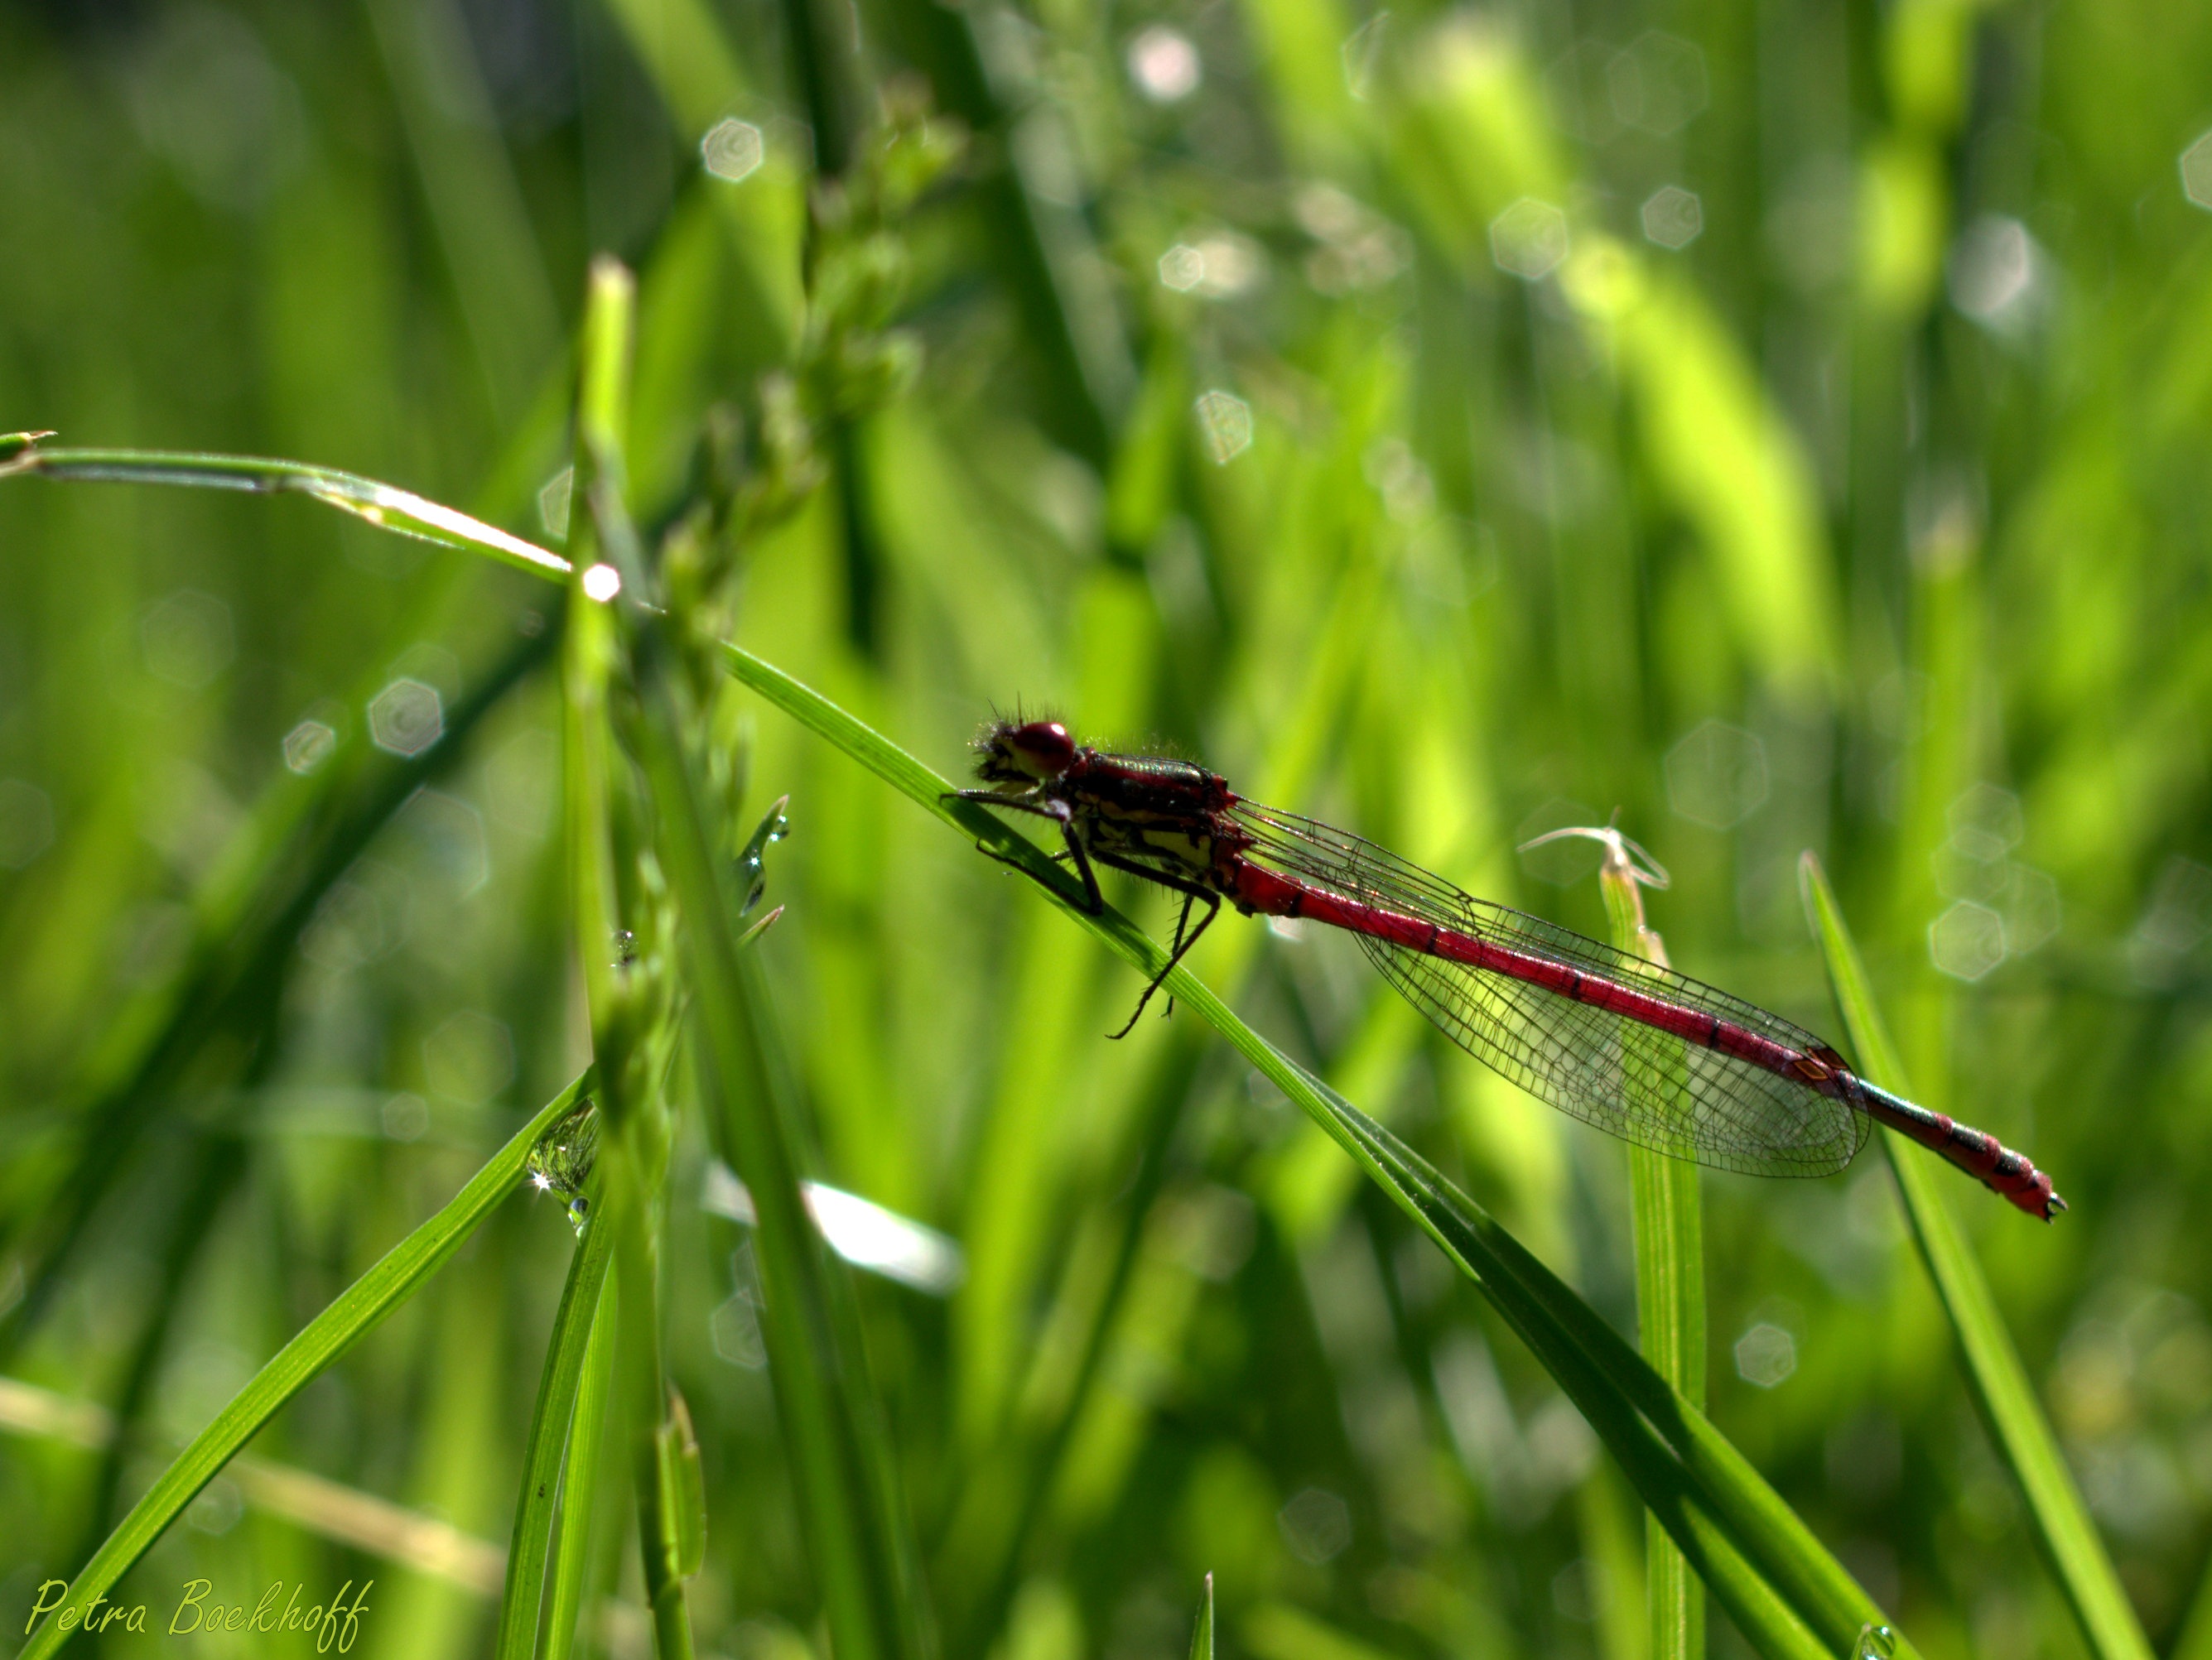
column 1024, row 752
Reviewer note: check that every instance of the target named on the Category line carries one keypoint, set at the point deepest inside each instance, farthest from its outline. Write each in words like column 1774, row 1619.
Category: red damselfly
column 1641, row 1051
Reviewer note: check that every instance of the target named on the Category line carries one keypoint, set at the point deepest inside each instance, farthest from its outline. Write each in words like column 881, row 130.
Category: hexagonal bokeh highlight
column 449, row 835
column 1575, row 93
column 1165, row 65
column 308, row 745
column 403, row 1118
column 1657, row 82
column 187, row 639
column 733, row 149
column 2031, row 910
column 1316, row 1525
column 1529, row 238
column 2196, row 172
column 470, row 1058
column 362, row 919
column 1996, row 273
column 553, row 502
column 1716, row 776
column 1361, row 56
column 1219, row 267
column 1225, row 420
column 406, row 717
column 1967, row 941
column 1986, row 822
column 1673, row 217
column 735, row 1330
column 26, row 823
column 1766, row 1355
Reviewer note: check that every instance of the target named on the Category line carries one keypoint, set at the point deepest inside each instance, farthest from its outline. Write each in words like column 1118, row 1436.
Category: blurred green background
column 1783, row 426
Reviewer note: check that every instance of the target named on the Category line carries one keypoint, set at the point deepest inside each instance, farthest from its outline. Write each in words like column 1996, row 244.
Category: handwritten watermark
column 330, row 1626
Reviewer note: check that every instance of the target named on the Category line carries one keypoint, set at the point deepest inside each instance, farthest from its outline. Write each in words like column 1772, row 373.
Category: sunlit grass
column 1457, row 426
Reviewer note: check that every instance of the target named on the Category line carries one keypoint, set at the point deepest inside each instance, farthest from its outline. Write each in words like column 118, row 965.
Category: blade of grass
column 1781, row 1585
column 569, row 1587
column 1797, row 1598
column 385, row 505
column 631, row 1004
column 546, row 1453
column 849, row 1511
column 1201, row 1634
column 2000, row 1384
column 350, row 1316
column 346, row 1516
column 1670, row 1278
column 849, row 1505
column 2194, row 1642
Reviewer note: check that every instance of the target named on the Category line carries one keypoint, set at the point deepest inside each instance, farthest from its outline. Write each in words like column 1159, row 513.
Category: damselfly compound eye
column 1045, row 745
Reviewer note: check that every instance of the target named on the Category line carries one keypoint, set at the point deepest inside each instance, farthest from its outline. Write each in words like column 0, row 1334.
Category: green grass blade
column 1999, row 1385
column 1785, row 1591
column 2194, row 1642
column 1201, row 1634
column 1670, row 1278
column 632, row 1020
column 568, row 1584
column 862, row 1561
column 385, row 505
column 349, row 1318
column 1788, row 1583
column 547, row 1451
column 1775, row 1577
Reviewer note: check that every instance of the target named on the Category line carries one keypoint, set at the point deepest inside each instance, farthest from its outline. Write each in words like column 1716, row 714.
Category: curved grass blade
column 2000, row 1384
column 386, row 506
column 350, row 1316
column 1787, row 1591
column 547, row 1454
column 1201, row 1635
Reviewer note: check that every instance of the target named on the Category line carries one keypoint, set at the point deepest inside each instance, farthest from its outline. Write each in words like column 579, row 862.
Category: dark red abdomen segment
column 1997, row 1167
column 1981, row 1155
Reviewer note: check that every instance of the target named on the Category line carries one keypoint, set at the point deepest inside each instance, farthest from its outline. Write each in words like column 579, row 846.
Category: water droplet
column 625, row 948
column 752, row 864
column 561, row 1161
column 1875, row 1643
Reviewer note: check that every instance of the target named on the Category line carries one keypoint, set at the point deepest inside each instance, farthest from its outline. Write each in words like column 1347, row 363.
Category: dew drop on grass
column 752, row 861
column 561, row 1161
